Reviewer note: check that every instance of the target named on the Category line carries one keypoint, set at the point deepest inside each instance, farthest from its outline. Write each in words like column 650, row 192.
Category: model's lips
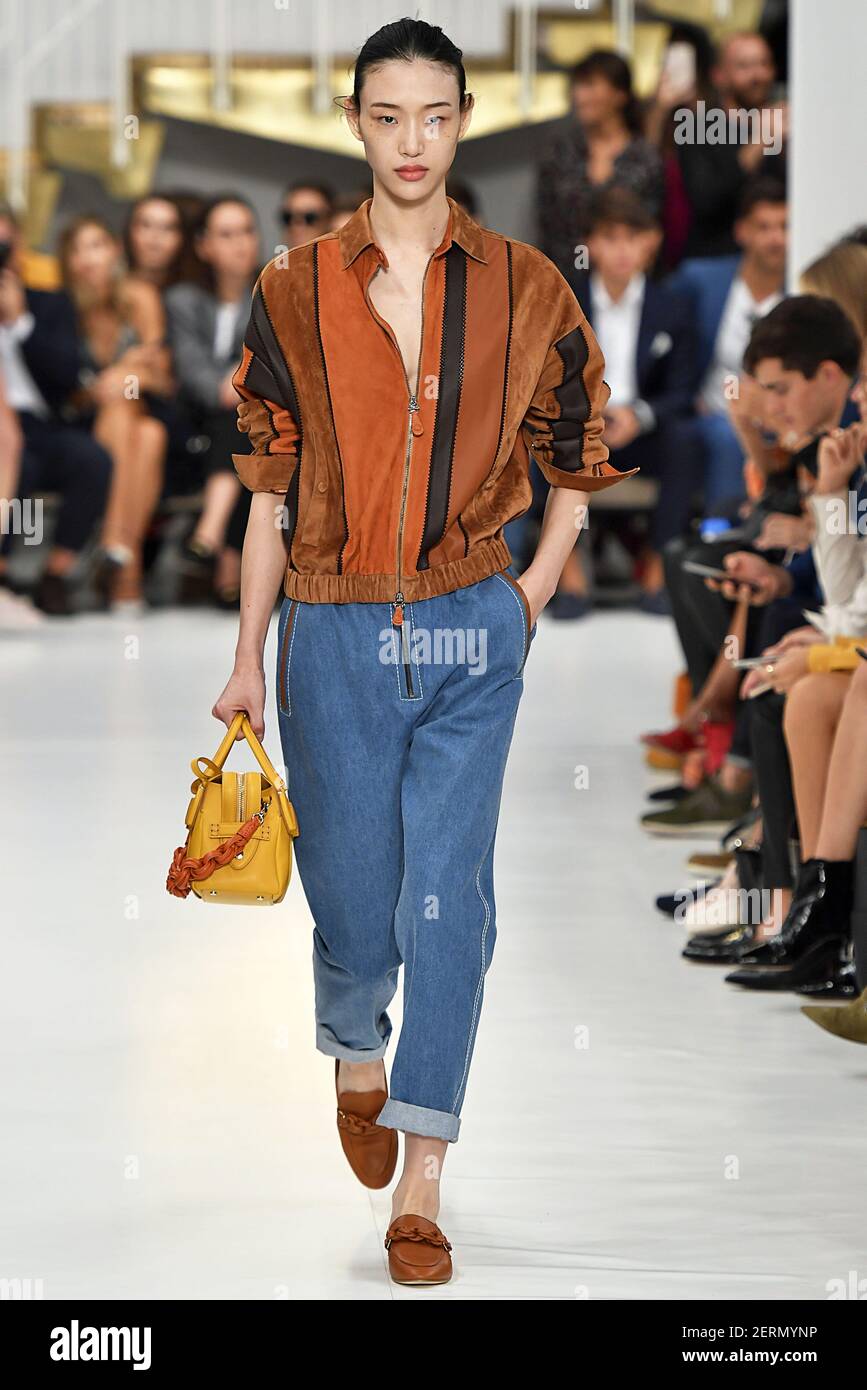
column 411, row 171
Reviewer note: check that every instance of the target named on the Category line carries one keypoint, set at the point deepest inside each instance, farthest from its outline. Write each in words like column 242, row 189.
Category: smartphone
column 679, row 66
column 750, row 663
column 710, row 572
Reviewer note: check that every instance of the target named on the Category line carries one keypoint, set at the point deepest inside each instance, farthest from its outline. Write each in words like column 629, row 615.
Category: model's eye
column 388, row 118
column 436, row 119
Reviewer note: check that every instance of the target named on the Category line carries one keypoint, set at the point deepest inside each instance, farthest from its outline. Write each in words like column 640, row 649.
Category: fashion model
column 396, row 377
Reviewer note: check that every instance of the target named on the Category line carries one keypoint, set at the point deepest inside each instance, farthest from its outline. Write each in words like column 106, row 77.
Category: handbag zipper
column 414, row 427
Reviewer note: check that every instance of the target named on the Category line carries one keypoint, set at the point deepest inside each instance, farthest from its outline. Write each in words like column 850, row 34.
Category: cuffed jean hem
column 325, row 1043
column 415, row 1119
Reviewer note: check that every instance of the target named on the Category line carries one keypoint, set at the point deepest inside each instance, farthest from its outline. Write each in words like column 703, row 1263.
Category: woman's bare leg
column 812, row 713
column 222, row 491
column 845, row 806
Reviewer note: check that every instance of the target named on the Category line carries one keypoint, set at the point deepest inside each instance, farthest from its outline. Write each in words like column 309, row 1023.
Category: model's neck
column 411, row 226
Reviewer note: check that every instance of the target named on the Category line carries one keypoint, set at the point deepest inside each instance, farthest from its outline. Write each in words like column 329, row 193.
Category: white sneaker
column 18, row 614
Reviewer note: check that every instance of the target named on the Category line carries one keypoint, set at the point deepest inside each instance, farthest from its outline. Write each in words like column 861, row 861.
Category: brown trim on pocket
column 527, row 624
column 284, row 656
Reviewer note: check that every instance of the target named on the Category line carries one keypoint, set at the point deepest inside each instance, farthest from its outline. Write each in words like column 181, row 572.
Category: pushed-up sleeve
column 564, row 423
column 267, row 411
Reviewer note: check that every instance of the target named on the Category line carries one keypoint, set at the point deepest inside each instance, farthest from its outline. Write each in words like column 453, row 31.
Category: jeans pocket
column 528, row 632
column 284, row 656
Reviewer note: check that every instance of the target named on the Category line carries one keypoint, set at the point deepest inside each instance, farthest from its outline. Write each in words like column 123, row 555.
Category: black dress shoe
column 676, row 793
column 720, row 950
column 671, row 903
column 842, row 984
column 53, row 594
column 813, row 968
column 817, row 924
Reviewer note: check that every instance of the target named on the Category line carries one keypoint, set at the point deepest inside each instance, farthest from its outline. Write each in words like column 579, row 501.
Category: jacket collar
column 357, row 233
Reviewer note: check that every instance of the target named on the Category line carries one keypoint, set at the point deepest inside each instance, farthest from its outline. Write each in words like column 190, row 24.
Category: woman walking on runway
column 397, row 375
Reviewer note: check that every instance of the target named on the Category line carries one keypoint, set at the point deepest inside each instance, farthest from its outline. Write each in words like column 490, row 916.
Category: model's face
column 230, row 243
column 155, row 236
column 763, row 235
column 796, row 405
column 306, row 214
column 618, row 252
column 94, row 257
column 410, row 124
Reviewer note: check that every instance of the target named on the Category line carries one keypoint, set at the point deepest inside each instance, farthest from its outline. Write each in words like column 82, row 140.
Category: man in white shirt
column 39, row 362
column 647, row 335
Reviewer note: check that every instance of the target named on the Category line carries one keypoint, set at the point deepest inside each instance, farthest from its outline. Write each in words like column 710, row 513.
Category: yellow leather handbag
column 241, row 826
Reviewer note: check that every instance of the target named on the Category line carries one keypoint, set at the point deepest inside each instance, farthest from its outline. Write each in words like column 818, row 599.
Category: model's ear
column 350, row 110
column 466, row 115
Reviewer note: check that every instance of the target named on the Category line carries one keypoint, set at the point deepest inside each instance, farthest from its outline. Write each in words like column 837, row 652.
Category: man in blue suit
column 729, row 293
column 647, row 334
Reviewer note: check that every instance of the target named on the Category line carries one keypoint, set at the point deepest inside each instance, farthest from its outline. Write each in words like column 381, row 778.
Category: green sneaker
column 709, row 810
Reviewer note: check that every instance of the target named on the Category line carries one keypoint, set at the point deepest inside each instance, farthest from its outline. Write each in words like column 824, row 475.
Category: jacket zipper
column 412, row 406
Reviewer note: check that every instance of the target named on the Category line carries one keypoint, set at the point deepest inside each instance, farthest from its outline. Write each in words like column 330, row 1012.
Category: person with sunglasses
column 305, row 211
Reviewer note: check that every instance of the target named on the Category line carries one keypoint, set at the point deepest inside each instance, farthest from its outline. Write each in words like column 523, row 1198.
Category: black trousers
column 221, row 427
column 668, row 453
column 774, row 779
column 66, row 459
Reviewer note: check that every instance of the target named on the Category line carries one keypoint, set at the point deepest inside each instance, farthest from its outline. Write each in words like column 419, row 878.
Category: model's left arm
column 564, row 423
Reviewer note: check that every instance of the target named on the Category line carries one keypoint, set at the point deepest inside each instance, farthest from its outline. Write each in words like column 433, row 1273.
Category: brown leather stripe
column 451, row 375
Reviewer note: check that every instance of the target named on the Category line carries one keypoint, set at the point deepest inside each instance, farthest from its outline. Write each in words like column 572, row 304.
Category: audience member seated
column 647, row 334
column 600, row 145
column 803, row 357
column 206, row 327
column 730, row 293
column 39, row 363
column 124, row 361
column 306, row 211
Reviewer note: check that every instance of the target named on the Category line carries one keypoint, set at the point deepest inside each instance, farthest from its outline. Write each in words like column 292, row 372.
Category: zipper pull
column 416, row 425
column 397, row 620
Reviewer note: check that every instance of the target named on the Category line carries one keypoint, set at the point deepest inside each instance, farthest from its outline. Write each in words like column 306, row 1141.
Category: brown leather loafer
column 370, row 1148
column 418, row 1252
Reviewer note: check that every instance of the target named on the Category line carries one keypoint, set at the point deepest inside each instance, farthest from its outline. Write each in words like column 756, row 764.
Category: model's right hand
column 245, row 690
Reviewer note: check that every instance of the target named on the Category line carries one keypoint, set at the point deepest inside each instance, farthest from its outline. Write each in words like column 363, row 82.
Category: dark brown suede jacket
column 395, row 497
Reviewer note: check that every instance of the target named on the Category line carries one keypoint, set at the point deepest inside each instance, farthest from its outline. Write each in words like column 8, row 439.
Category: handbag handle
column 241, row 724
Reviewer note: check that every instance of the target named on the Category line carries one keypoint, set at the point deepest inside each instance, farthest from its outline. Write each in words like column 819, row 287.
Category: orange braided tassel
column 183, row 870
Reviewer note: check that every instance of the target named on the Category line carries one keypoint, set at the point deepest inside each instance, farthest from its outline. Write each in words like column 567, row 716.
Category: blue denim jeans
column 395, row 753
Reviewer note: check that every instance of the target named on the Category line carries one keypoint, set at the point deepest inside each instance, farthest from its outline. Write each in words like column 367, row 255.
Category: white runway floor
column 168, row 1127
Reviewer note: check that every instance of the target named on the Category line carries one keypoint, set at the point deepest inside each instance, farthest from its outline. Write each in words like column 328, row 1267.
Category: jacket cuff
column 265, row 472
column 593, row 478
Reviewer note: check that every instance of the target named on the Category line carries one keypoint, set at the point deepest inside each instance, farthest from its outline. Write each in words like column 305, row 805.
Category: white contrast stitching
column 480, row 985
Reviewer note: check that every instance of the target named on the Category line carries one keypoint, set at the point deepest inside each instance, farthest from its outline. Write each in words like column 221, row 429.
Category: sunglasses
column 307, row 219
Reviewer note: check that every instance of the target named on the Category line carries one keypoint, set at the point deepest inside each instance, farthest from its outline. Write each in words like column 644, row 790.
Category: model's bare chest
column 396, row 296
